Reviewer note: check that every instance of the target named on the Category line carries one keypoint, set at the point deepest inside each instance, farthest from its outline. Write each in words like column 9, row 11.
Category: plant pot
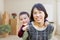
column 3, row 35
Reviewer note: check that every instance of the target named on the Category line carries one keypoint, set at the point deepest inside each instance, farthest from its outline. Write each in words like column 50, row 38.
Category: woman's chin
column 38, row 21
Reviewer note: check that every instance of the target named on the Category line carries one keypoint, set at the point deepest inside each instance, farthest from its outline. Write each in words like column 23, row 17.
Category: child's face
column 24, row 19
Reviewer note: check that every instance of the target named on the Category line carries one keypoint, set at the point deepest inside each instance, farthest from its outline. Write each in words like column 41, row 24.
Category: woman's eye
column 35, row 12
column 39, row 12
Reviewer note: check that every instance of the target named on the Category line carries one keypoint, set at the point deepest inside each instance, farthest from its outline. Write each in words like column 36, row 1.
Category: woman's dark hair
column 22, row 13
column 39, row 7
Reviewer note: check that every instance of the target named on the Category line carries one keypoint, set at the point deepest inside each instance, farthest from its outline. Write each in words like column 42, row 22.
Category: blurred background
column 10, row 7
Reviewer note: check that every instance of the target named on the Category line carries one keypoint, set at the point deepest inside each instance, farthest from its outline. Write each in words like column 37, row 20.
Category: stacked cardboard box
column 5, row 18
column 13, row 23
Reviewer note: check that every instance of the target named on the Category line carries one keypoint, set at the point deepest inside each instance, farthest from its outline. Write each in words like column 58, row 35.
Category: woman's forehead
column 37, row 9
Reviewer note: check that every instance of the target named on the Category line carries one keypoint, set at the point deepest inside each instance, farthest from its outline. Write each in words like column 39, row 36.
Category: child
column 24, row 19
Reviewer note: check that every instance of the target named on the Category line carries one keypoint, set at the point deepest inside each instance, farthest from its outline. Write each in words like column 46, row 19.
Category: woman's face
column 24, row 19
column 38, row 15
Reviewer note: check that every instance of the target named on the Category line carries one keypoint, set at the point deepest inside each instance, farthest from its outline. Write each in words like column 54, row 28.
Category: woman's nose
column 37, row 15
column 23, row 20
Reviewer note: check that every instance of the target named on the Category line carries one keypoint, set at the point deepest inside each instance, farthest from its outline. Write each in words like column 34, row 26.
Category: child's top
column 20, row 33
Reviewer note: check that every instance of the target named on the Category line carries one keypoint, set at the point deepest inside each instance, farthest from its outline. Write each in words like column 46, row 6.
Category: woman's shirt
column 44, row 34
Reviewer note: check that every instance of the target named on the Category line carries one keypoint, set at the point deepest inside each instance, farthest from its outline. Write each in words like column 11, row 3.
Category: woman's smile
column 38, row 15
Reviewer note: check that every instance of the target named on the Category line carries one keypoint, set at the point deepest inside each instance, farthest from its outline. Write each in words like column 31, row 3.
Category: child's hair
column 22, row 13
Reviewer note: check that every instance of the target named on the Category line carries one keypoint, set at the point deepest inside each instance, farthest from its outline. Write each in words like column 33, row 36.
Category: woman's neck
column 39, row 24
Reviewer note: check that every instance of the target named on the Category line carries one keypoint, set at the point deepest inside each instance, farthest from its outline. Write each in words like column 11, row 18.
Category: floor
column 11, row 37
column 15, row 37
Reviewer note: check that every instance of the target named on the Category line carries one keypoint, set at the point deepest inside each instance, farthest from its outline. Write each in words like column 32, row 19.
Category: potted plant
column 4, row 30
column 14, row 15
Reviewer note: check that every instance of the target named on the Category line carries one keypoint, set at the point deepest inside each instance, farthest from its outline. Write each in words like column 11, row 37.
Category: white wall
column 58, row 17
column 22, row 5
column 1, row 6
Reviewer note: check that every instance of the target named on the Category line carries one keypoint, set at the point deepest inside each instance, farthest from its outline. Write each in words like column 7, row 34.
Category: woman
column 37, row 29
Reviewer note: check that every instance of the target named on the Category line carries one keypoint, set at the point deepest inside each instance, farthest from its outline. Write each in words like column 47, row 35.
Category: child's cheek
column 26, row 22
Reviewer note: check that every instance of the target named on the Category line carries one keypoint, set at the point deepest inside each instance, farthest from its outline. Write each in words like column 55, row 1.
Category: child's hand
column 24, row 28
column 46, row 23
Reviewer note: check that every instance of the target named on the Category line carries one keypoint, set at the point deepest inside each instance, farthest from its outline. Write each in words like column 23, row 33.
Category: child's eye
column 24, row 18
column 21, row 19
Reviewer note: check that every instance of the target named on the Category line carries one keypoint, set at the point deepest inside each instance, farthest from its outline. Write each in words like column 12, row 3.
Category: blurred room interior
column 10, row 7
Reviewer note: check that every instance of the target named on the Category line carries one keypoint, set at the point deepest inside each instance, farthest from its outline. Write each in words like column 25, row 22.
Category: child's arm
column 21, row 32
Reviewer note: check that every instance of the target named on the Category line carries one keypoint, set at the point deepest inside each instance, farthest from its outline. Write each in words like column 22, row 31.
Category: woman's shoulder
column 30, row 24
column 50, row 28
